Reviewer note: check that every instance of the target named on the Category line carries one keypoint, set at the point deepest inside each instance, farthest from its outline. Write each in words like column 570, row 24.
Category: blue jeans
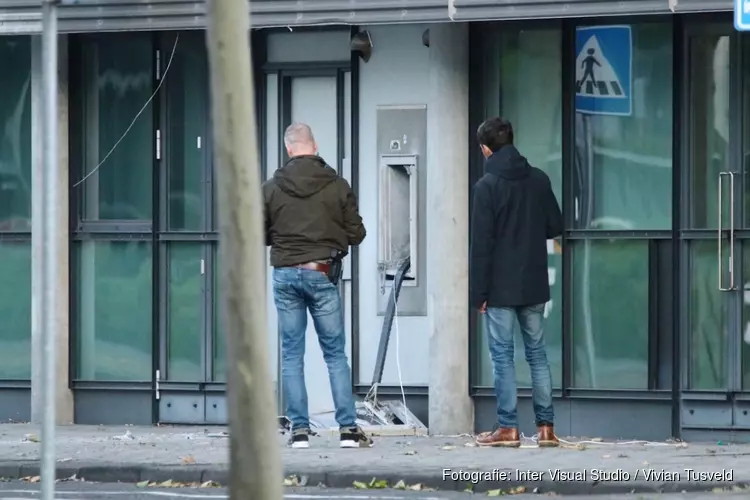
column 499, row 323
column 295, row 291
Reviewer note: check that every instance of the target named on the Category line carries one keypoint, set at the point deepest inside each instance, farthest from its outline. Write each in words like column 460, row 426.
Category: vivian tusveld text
column 644, row 474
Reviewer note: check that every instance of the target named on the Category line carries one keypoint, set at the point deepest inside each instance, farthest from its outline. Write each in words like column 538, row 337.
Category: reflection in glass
column 709, row 130
column 15, row 311
column 745, row 327
column 610, row 314
column 219, row 333
column 15, row 135
column 187, row 116
column 708, row 316
column 118, row 80
column 185, row 298
column 535, row 112
column 114, row 285
column 623, row 164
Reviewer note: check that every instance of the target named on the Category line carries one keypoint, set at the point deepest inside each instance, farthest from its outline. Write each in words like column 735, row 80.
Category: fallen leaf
column 142, row 484
column 469, row 488
column 32, row 438
column 291, row 481
column 449, row 447
column 210, row 484
column 400, row 485
column 166, row 484
column 35, row 479
column 470, row 445
column 416, row 487
column 596, row 440
column 188, row 460
column 359, row 485
column 605, row 456
column 517, row 490
column 495, row 493
column 378, row 484
column 303, row 481
column 410, row 452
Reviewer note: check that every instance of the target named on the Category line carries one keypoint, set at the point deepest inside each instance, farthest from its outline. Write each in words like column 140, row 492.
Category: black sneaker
column 300, row 438
column 354, row 437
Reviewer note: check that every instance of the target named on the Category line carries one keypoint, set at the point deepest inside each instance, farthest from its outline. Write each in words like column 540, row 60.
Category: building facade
column 650, row 308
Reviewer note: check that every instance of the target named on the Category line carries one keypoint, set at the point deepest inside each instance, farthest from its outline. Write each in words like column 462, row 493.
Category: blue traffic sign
column 604, row 70
column 742, row 15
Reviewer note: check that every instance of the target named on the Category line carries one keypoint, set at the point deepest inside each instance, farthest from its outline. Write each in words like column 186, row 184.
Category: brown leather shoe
column 546, row 437
column 506, row 437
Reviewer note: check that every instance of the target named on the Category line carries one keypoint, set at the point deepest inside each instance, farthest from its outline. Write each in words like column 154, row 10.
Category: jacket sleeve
column 482, row 245
column 554, row 215
column 355, row 228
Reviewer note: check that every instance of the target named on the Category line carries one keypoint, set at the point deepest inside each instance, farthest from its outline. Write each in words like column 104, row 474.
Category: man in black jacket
column 311, row 216
column 514, row 214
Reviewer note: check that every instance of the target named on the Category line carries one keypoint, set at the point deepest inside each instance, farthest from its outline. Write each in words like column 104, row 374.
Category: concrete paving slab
column 198, row 454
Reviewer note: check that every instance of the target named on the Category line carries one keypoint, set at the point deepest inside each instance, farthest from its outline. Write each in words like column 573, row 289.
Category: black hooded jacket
column 514, row 214
column 309, row 211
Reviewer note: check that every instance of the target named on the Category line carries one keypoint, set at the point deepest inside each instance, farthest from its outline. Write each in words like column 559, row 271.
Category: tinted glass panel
column 536, row 114
column 15, row 310
column 114, row 285
column 118, row 76
column 185, row 289
column 709, row 133
column 610, row 314
column 623, row 162
column 15, row 135
column 187, row 115
column 219, row 333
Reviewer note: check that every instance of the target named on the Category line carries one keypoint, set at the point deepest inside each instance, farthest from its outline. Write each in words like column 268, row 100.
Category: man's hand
column 483, row 307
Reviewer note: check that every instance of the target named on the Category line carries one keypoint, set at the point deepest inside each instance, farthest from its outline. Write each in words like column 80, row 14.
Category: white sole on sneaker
column 349, row 443
column 301, row 445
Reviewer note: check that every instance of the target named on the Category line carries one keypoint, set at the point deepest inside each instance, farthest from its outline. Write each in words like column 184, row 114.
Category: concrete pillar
column 451, row 410
column 64, row 395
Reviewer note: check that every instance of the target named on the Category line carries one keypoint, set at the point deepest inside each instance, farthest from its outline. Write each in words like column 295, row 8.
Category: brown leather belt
column 315, row 266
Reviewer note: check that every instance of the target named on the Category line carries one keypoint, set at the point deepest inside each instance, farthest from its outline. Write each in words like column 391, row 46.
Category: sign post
column 742, row 15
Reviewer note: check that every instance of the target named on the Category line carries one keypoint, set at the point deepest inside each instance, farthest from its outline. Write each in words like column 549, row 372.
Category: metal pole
column 50, row 235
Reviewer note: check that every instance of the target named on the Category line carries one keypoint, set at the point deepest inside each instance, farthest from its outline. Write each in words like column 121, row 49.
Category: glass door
column 190, row 374
column 715, row 232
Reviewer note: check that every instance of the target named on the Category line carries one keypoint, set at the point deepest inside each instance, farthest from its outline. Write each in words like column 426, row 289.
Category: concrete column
column 64, row 395
column 451, row 410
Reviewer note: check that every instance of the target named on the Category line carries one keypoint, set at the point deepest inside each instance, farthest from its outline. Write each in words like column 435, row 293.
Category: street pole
column 255, row 461
column 50, row 232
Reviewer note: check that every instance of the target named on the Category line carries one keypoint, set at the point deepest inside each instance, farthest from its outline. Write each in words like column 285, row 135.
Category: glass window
column 623, row 164
column 185, row 289
column 114, row 310
column 15, row 135
column 610, row 314
column 187, row 118
column 118, row 80
column 536, row 114
column 15, row 309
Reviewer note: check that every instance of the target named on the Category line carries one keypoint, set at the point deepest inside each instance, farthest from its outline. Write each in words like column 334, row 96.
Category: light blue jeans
column 295, row 291
column 499, row 324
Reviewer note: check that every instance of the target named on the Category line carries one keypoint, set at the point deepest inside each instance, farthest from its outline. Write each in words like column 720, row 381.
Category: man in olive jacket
column 311, row 214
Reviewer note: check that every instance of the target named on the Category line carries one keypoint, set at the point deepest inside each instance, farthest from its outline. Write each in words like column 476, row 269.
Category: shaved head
column 299, row 140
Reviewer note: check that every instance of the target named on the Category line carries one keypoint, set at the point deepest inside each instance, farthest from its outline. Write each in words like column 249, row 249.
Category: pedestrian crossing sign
column 604, row 68
column 742, row 15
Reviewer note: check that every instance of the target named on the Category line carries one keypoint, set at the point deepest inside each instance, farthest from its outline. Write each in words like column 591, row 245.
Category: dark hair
column 495, row 133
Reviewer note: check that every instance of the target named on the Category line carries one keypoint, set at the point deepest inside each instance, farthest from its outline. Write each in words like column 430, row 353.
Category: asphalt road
column 95, row 491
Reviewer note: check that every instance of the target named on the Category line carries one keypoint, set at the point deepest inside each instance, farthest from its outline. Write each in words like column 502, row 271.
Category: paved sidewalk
column 197, row 454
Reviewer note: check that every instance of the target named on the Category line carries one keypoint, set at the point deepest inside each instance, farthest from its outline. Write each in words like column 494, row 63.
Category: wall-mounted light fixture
column 426, row 38
column 361, row 43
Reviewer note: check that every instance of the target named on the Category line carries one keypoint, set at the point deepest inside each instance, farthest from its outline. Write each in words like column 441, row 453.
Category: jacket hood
column 303, row 176
column 508, row 164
